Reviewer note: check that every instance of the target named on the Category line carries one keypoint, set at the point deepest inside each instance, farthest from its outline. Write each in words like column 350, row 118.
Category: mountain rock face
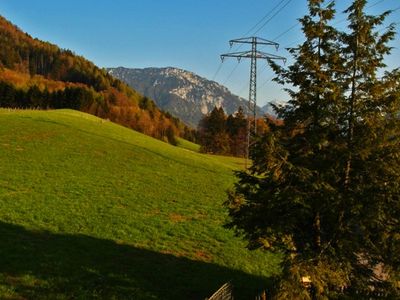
column 181, row 93
column 269, row 109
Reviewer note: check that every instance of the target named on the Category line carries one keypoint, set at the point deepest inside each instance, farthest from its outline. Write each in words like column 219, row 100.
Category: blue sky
column 189, row 34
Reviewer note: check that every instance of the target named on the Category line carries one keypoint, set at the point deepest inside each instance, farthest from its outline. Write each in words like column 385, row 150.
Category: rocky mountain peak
column 184, row 94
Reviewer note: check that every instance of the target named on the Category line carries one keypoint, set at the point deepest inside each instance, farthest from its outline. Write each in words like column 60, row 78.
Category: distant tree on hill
column 237, row 130
column 213, row 135
column 221, row 134
column 171, row 136
column 324, row 186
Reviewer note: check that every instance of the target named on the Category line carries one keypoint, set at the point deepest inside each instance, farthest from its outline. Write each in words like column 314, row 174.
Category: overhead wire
column 273, row 16
column 378, row 2
column 368, row 7
column 243, row 87
column 264, row 21
column 216, row 72
column 264, row 17
column 338, row 22
column 262, row 26
column 286, row 31
column 267, row 21
column 231, row 73
column 281, row 35
column 297, row 24
column 251, row 29
column 290, row 29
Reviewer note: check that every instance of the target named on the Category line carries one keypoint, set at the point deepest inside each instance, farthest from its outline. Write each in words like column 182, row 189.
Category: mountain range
column 182, row 93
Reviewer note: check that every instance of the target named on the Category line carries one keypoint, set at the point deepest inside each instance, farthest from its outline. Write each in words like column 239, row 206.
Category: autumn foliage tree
column 36, row 74
column 324, row 186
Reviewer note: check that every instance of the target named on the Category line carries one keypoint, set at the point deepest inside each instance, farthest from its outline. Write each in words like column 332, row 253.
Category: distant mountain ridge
column 269, row 109
column 182, row 93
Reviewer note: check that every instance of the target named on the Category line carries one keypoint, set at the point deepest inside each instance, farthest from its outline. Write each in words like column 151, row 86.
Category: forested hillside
column 37, row 74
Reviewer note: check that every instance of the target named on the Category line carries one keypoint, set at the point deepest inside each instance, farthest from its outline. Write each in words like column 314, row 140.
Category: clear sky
column 188, row 34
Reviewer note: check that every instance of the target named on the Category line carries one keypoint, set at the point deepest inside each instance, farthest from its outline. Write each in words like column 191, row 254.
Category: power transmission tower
column 253, row 54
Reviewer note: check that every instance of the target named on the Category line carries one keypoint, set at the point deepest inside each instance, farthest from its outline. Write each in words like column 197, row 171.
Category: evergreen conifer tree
column 213, row 135
column 324, row 187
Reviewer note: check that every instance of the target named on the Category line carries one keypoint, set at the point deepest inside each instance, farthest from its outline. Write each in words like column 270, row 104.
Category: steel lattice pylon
column 253, row 54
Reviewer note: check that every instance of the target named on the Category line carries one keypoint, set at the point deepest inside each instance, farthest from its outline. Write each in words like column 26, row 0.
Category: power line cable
column 266, row 82
column 286, row 31
column 266, row 22
column 244, row 87
column 231, row 73
column 248, row 31
column 263, row 25
column 379, row 2
column 240, row 45
column 338, row 22
column 216, row 72
column 264, row 17
column 298, row 23
column 368, row 7
column 273, row 16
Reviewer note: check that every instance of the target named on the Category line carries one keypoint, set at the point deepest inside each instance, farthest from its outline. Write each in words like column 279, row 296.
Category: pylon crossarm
column 269, row 56
column 264, row 55
column 262, row 41
column 249, row 40
column 237, row 54
column 249, row 54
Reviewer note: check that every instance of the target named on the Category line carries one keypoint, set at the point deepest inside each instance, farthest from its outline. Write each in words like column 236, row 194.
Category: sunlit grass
column 83, row 200
column 188, row 145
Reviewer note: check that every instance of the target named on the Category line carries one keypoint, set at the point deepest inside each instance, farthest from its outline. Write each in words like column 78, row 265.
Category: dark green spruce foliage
column 237, row 129
column 220, row 134
column 324, row 187
column 33, row 97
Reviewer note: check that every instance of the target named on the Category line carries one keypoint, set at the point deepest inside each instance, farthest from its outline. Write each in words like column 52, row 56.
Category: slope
column 92, row 210
column 38, row 74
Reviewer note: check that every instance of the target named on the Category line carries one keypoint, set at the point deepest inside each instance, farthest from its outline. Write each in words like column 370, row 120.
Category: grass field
column 92, row 210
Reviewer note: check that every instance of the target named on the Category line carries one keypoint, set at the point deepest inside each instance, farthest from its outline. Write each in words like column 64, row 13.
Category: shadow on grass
column 43, row 265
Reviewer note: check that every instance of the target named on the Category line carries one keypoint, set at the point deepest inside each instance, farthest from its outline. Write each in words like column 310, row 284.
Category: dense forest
column 37, row 74
column 227, row 134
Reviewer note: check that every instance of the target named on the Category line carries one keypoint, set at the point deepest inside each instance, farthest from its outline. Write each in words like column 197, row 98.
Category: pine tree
column 237, row 129
column 213, row 134
column 324, row 186
column 370, row 177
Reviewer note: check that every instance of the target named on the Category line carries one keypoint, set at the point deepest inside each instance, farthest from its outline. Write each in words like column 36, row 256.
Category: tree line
column 226, row 134
column 32, row 97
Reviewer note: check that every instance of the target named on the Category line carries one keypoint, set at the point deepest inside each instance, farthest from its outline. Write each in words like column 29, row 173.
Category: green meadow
column 93, row 210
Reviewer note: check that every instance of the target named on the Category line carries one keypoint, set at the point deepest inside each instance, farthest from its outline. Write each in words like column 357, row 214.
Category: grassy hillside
column 90, row 209
column 38, row 74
